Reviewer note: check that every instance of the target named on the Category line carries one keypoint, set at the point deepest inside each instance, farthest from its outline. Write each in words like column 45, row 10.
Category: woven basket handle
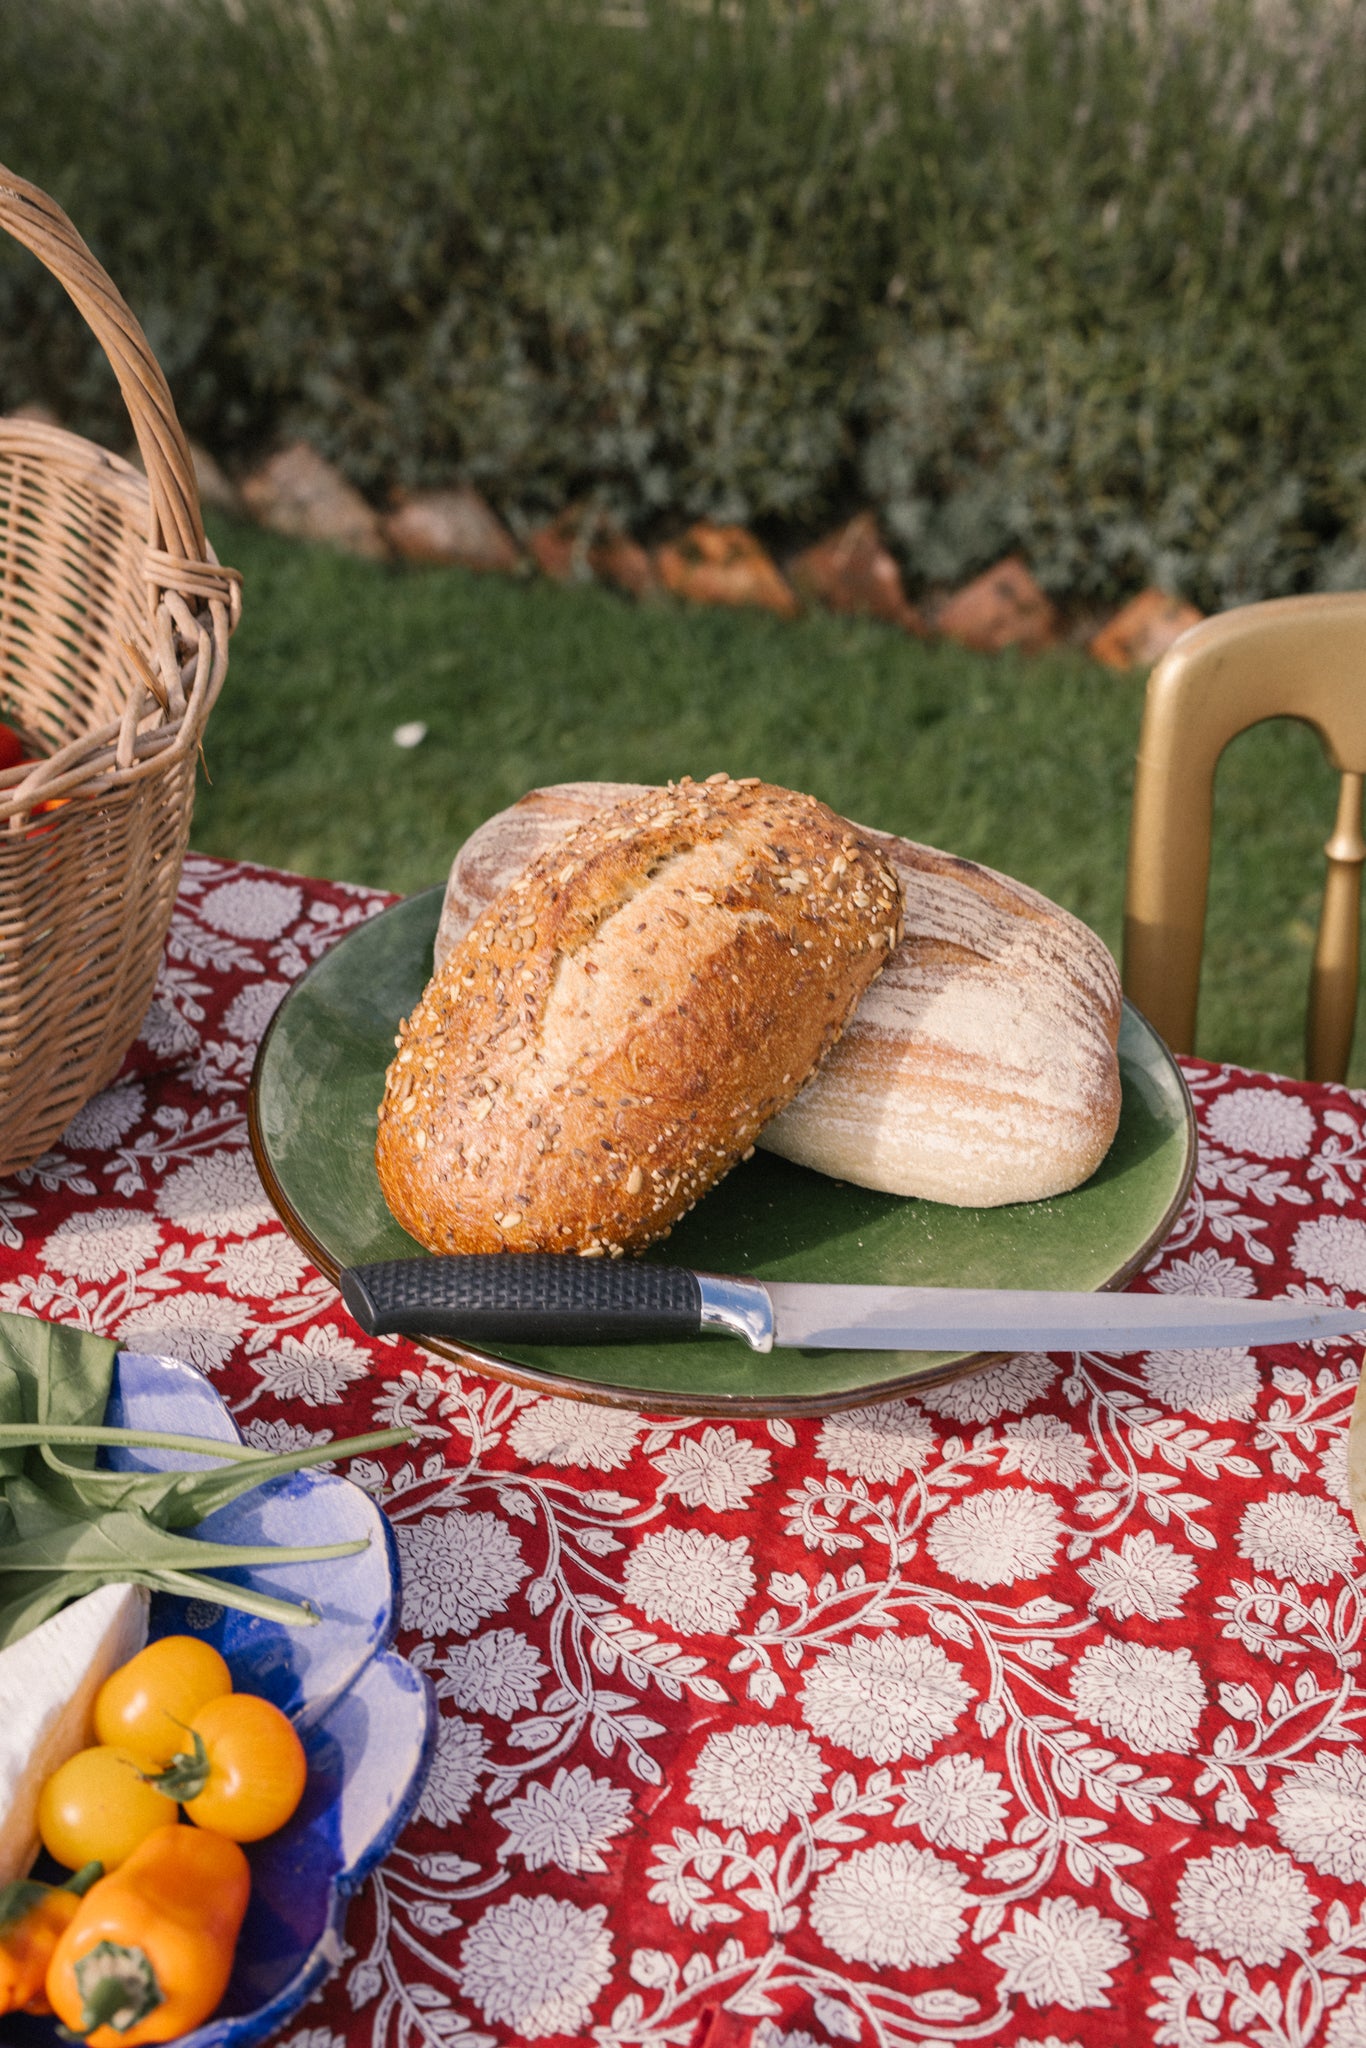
column 176, row 530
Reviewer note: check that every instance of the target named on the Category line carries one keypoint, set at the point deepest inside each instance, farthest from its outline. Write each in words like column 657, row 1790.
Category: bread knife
column 559, row 1298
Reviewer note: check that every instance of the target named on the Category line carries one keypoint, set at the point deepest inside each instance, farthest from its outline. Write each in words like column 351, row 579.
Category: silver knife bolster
column 739, row 1307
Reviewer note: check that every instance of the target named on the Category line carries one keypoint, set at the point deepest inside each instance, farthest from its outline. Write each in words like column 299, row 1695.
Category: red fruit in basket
column 12, row 748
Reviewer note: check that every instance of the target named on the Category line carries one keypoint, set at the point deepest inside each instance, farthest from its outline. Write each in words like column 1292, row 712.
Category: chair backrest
column 1294, row 657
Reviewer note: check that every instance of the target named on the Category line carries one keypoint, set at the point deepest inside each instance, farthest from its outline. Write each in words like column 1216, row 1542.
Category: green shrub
column 1083, row 277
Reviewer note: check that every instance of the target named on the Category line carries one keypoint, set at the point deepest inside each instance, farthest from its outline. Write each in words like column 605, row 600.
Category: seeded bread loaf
column 614, row 1029
column 981, row 1066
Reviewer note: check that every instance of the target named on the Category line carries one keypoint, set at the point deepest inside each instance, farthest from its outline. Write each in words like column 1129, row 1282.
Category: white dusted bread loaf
column 979, row 1068
column 612, row 1031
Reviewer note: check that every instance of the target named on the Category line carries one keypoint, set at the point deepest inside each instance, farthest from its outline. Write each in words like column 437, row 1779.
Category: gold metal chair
column 1294, row 657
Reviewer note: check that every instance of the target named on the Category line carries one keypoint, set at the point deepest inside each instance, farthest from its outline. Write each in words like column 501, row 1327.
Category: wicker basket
column 114, row 625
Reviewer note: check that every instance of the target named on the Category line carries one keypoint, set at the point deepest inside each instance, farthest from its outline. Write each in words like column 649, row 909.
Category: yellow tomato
column 96, row 1809
column 245, row 1775
column 146, row 1706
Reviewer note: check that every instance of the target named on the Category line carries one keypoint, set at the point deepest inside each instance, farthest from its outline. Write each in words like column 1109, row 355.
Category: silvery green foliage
column 1081, row 277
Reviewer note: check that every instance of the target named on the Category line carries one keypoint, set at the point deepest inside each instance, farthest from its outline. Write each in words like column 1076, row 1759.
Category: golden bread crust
column 613, row 1031
column 980, row 1067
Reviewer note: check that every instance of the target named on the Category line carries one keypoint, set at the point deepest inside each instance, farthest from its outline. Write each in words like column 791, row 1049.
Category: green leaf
column 64, row 1375
column 68, row 1526
column 29, row 1601
column 51, row 1374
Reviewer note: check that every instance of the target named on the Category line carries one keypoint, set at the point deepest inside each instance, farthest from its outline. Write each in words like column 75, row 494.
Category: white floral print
column 885, row 1696
column 1043, row 1449
column 1260, row 1122
column 1333, row 1470
column 1007, row 1389
column 105, row 1119
column 250, row 1011
column 278, row 1437
column 1321, row 1813
column 165, row 1033
column 219, row 1195
column 203, row 1329
column 993, row 1539
column 1142, row 1577
column 756, row 1778
column 1332, row 1248
column 1296, row 1536
column 1062, row 1955
column 458, row 1569
column 456, row 1767
column 1149, row 1699
column 829, row 1748
column 1219, row 1384
column 892, row 1905
column 689, row 1580
column 496, row 1673
column 878, row 1443
column 557, row 1432
column 720, row 1472
column 1247, row 1903
column 100, row 1244
column 956, row 1803
column 536, row 1965
column 1347, row 2026
column 251, row 909
column 568, row 1823
column 315, row 1366
column 1206, row 1273
column 266, row 1266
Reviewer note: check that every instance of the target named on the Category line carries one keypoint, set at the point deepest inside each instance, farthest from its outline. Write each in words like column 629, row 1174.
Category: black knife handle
column 524, row 1297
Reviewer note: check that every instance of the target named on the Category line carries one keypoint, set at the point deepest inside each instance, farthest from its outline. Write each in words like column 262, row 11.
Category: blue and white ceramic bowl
column 367, row 1718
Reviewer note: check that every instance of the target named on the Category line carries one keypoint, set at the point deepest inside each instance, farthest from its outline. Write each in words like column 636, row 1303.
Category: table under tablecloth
column 1026, row 1711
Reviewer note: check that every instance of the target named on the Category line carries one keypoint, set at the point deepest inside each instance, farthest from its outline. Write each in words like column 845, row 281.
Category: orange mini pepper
column 33, row 1918
column 149, row 1951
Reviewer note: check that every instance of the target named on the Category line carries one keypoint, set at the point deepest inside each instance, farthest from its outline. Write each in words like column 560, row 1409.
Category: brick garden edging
column 850, row 571
column 298, row 493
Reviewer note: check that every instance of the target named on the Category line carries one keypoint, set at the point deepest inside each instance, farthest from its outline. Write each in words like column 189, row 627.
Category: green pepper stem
column 117, row 1986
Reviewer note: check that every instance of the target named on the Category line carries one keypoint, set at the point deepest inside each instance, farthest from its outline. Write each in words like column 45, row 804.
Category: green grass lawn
column 1026, row 765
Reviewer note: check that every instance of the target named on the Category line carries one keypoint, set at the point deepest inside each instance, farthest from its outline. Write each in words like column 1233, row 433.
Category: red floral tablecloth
column 1023, row 1712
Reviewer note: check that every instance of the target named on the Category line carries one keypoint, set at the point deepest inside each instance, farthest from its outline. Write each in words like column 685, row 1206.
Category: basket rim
column 152, row 729
column 190, row 600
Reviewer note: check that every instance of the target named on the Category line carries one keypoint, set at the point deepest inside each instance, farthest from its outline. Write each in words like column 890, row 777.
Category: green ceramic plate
column 320, row 1074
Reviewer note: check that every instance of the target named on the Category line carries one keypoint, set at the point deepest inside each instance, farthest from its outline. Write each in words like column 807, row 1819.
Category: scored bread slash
column 671, row 993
